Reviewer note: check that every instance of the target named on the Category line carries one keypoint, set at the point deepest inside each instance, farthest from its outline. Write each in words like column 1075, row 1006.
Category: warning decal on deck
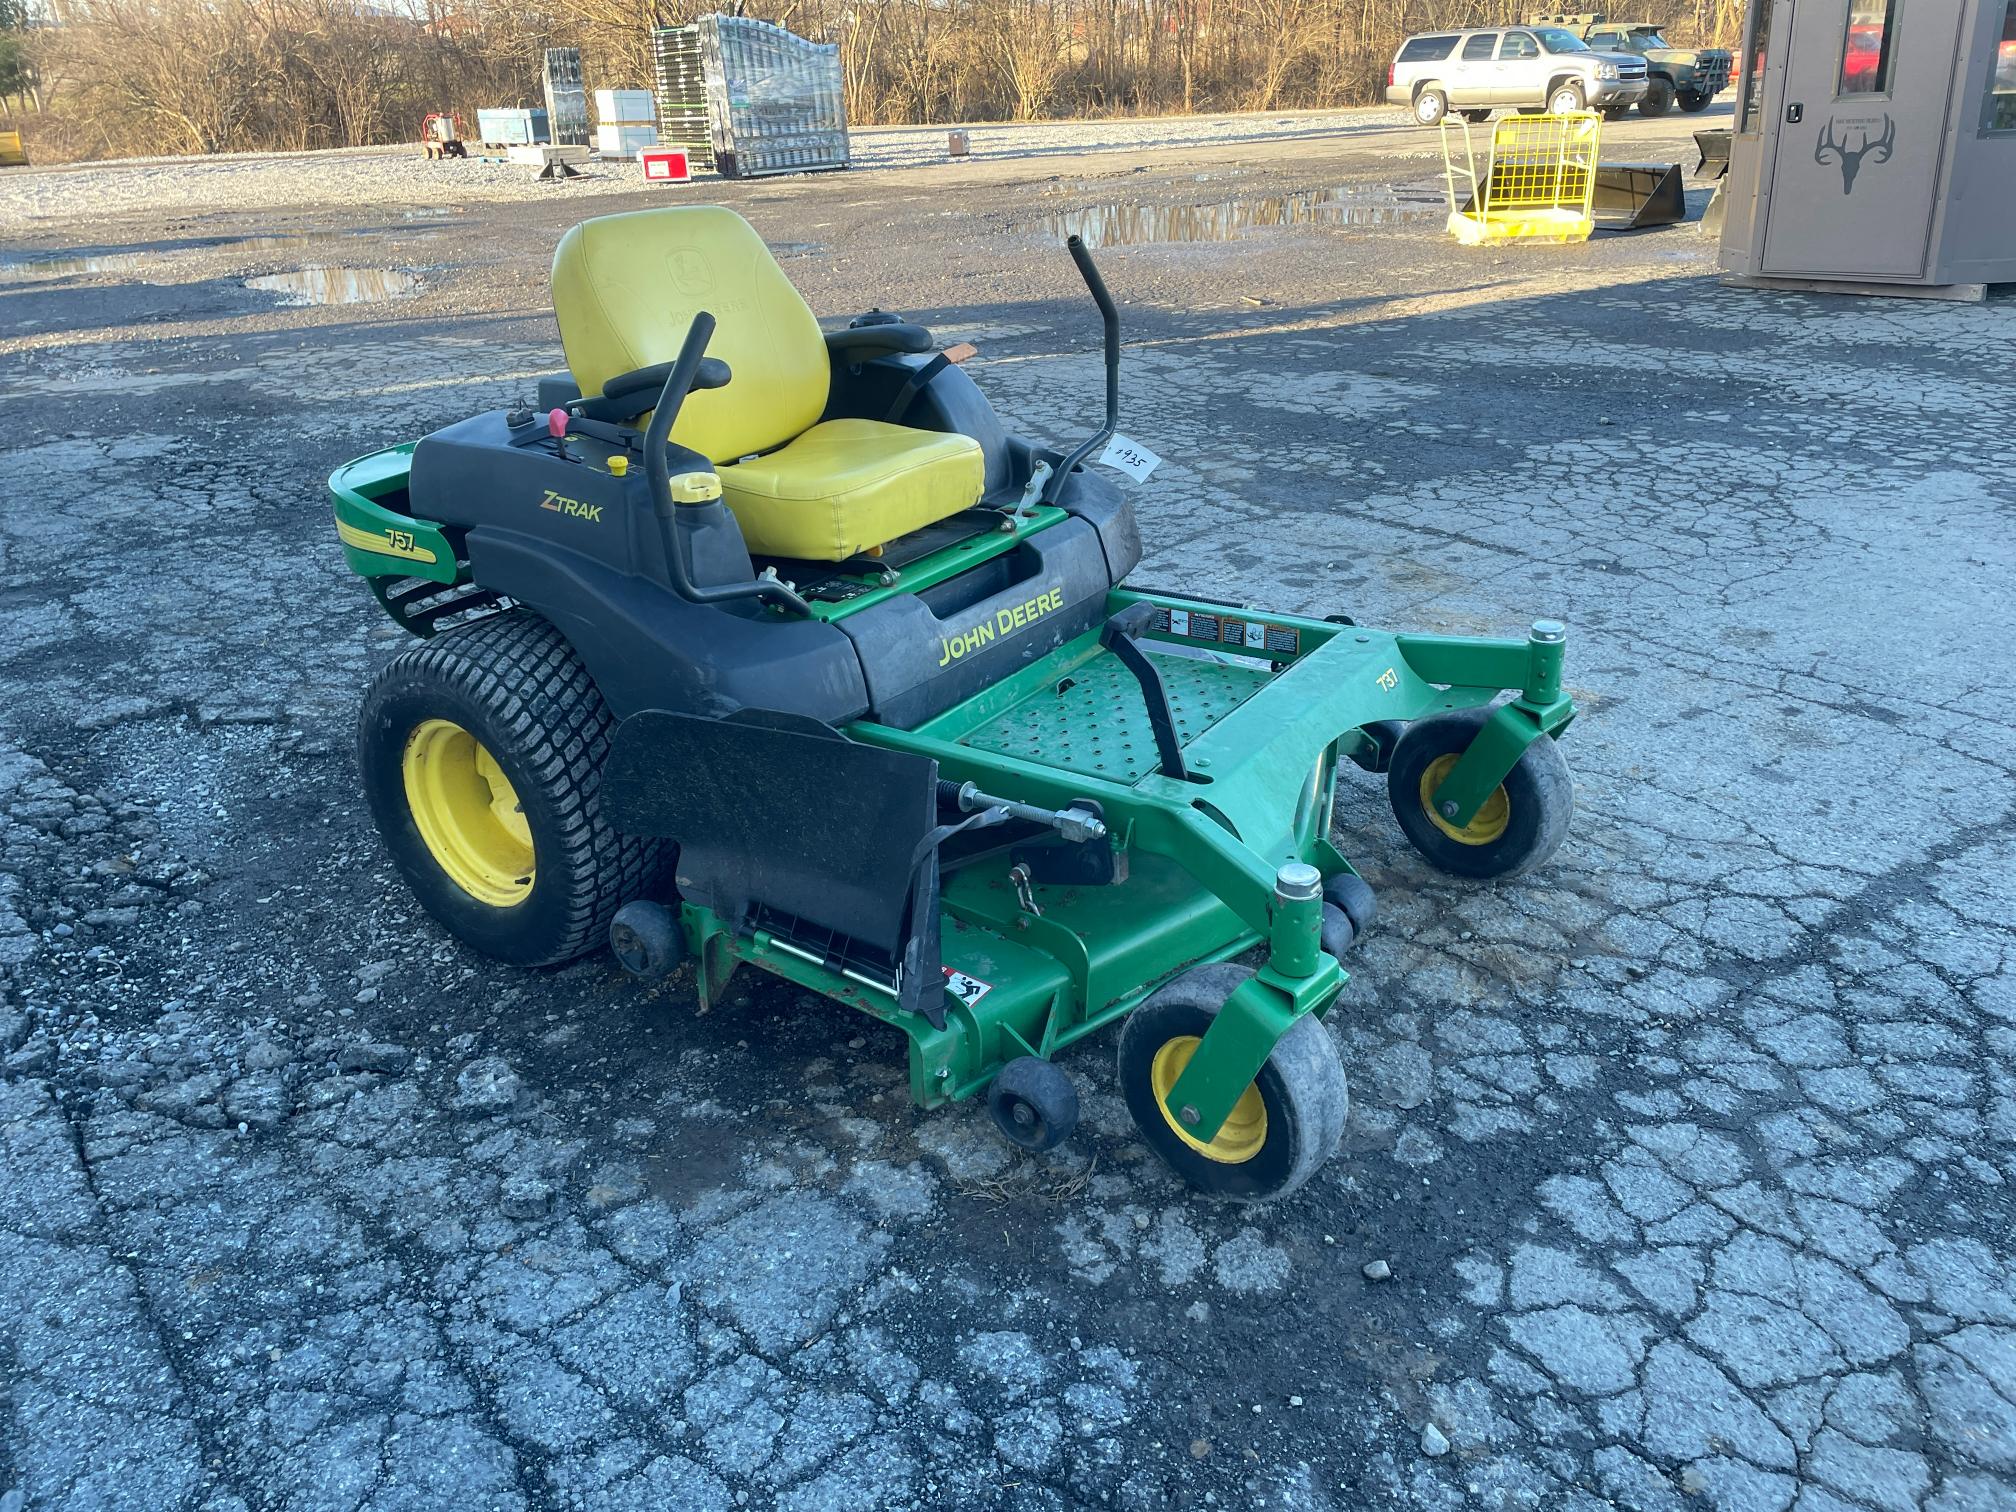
column 969, row 990
column 1228, row 630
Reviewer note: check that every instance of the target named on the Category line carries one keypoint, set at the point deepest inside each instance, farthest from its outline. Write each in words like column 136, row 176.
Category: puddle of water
column 29, row 266
column 1223, row 220
column 428, row 212
column 264, row 243
column 20, row 268
column 334, row 286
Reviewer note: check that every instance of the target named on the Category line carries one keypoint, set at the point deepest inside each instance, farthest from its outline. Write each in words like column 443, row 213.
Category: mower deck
column 1261, row 729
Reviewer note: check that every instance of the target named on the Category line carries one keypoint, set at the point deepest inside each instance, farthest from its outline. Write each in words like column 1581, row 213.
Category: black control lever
column 678, row 383
column 1110, row 317
column 1117, row 635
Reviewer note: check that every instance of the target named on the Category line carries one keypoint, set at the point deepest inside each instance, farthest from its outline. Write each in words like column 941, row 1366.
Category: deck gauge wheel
column 645, row 939
column 1519, row 826
column 1282, row 1128
column 1350, row 908
column 1033, row 1103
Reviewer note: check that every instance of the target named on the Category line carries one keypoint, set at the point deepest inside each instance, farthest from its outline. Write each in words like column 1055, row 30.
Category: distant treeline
column 104, row 78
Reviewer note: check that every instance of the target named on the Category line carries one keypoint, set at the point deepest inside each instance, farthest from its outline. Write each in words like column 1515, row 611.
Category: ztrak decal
column 386, row 542
column 1004, row 622
column 574, row 509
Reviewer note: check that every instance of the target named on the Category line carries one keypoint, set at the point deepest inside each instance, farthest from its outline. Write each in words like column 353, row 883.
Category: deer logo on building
column 1851, row 159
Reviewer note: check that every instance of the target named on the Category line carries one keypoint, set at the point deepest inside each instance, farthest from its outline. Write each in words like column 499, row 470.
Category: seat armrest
column 897, row 336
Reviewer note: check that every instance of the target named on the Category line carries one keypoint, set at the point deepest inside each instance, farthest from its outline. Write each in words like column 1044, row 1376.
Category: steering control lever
column 678, row 383
column 1110, row 319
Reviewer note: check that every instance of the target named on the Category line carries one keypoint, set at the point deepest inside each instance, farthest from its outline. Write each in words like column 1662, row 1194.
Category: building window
column 1867, row 47
column 1753, row 65
column 1998, row 111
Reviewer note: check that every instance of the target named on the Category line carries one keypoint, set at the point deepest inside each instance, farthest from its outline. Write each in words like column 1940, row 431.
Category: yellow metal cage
column 1539, row 183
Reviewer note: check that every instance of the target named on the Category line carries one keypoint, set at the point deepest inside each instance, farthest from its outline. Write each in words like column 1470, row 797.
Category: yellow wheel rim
column 1244, row 1133
column 468, row 814
column 1491, row 818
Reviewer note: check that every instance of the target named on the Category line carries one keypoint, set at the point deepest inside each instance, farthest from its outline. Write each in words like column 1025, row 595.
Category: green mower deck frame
column 1264, row 731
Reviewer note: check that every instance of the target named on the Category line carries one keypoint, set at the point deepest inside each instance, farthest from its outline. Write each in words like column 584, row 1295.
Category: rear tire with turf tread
column 1301, row 1088
column 513, row 683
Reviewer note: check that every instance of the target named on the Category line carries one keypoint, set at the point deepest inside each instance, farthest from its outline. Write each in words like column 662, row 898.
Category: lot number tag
column 1131, row 458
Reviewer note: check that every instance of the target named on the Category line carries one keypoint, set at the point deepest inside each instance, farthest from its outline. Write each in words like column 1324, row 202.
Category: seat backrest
column 626, row 287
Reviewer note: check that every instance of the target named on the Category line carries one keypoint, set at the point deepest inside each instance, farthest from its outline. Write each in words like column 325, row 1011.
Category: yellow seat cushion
column 626, row 288
column 847, row 486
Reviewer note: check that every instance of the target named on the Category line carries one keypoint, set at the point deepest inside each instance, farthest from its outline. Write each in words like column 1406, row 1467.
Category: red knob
column 556, row 422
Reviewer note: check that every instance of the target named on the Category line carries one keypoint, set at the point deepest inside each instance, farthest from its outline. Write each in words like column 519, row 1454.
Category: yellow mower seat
column 625, row 289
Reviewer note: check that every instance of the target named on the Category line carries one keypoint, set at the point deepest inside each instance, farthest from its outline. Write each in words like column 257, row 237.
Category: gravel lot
column 1678, row 1174
column 378, row 175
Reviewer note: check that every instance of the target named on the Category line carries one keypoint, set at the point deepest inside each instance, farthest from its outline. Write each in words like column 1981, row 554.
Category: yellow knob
column 695, row 487
column 618, row 466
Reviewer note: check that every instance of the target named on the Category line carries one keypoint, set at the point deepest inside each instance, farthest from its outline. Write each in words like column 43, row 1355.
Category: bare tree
column 110, row 77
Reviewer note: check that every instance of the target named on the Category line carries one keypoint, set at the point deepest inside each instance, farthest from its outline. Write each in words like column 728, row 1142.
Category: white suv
column 1519, row 67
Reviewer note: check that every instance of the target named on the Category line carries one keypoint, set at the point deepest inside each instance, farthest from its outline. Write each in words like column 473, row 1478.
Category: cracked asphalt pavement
column 1678, row 1173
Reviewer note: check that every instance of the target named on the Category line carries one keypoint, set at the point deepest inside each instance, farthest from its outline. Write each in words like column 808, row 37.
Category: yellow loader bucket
column 11, row 153
column 1539, row 183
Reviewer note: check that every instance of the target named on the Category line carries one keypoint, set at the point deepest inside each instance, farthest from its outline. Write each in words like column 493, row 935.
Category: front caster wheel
column 1283, row 1127
column 1520, row 825
column 1034, row 1104
column 646, row 941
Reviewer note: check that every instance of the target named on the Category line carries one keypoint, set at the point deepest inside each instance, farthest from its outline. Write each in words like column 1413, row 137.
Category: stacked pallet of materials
column 624, row 123
column 768, row 101
column 682, row 94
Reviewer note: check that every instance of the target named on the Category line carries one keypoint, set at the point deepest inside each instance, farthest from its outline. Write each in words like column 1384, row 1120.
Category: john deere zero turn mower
column 753, row 643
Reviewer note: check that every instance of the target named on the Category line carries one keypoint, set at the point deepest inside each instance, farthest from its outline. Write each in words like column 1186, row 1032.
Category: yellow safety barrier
column 11, row 153
column 1538, row 184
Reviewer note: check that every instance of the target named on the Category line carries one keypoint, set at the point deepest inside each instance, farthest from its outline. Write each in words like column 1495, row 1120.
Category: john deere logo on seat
column 690, row 273
column 572, row 508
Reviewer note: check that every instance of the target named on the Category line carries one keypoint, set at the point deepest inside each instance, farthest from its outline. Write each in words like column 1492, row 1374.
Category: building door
column 1858, row 137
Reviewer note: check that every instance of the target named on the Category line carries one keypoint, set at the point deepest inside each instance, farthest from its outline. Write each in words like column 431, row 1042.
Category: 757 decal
column 386, row 542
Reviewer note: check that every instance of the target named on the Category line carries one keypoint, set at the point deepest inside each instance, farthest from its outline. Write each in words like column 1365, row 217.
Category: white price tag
column 1131, row 458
